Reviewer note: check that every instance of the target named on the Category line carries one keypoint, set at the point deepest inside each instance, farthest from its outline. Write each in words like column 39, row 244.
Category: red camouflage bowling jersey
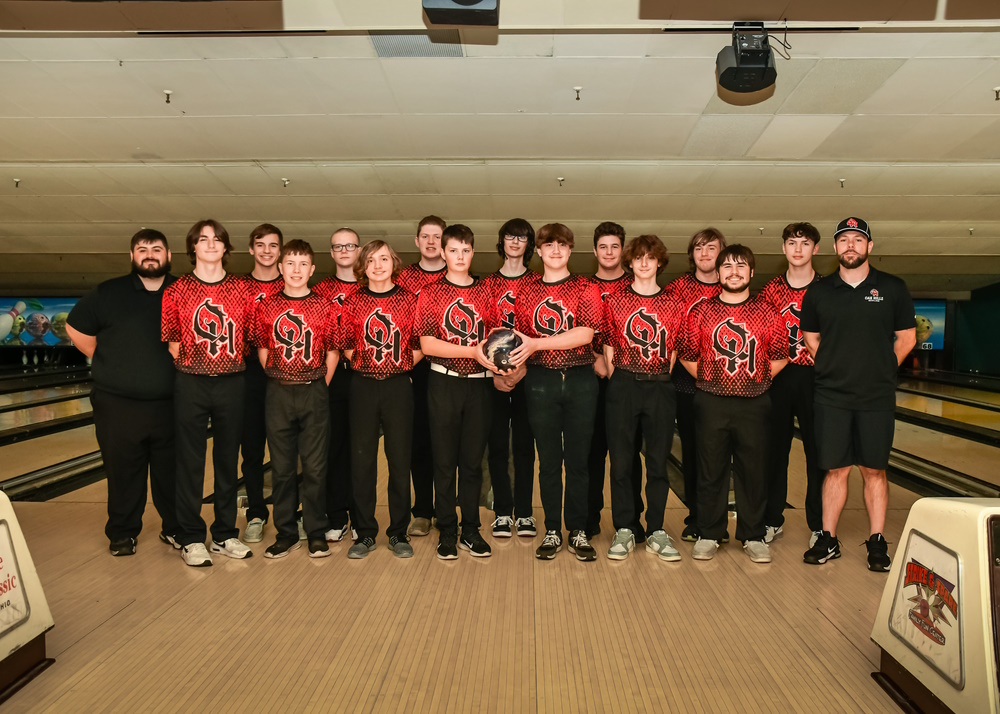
column 379, row 327
column 413, row 278
column 257, row 290
column 642, row 329
column 733, row 345
column 606, row 288
column 504, row 290
column 297, row 332
column 335, row 290
column 545, row 309
column 210, row 321
column 688, row 291
column 787, row 301
column 462, row 315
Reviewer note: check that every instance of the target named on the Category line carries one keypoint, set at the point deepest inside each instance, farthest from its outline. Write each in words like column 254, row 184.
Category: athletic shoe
column 690, row 534
column 878, row 554
column 771, row 532
column 580, row 546
column 169, row 540
column 826, row 547
column 122, row 546
column 254, row 532
column 551, row 544
column 302, row 530
column 725, row 538
column 318, row 548
column 335, row 535
column 196, row 555
column 400, row 546
column 814, row 537
column 281, row 548
column 525, row 527
column 663, row 545
column 704, row 549
column 419, row 527
column 447, row 548
column 362, row 548
column 503, row 527
column 622, row 544
column 232, row 548
column 758, row 550
column 474, row 543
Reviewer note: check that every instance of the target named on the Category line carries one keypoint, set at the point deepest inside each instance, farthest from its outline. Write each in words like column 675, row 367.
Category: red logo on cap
column 874, row 292
column 852, row 223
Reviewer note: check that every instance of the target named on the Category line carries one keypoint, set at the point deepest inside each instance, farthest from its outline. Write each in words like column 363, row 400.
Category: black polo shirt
column 856, row 367
column 130, row 360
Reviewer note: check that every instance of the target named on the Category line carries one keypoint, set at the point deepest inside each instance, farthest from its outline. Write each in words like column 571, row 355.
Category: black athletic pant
column 387, row 403
column 136, row 437
column 254, row 438
column 596, row 467
column 732, row 436
column 421, row 458
column 339, row 495
column 510, row 430
column 561, row 406
column 460, row 409
column 198, row 398
column 635, row 404
column 689, row 453
column 792, row 397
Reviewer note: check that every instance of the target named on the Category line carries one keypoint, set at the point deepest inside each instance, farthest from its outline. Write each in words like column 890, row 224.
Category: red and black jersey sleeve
column 688, row 291
column 642, row 329
column 413, row 278
column 787, row 302
column 297, row 332
column 209, row 321
column 545, row 309
column 606, row 288
column 335, row 290
column 256, row 291
column 504, row 290
column 380, row 328
column 462, row 315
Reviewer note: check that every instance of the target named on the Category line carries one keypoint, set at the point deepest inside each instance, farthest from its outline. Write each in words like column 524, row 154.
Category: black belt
column 290, row 383
column 645, row 376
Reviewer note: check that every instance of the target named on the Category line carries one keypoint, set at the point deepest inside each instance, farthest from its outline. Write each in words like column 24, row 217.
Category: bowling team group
column 580, row 368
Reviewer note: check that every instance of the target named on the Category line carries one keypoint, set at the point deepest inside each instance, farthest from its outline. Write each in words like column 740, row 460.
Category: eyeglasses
column 516, row 239
column 349, row 247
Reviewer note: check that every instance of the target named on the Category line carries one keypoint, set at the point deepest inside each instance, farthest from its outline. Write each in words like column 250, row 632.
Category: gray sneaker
column 419, row 527
column 361, row 549
column 771, row 532
column 400, row 546
column 814, row 537
column 622, row 545
column 660, row 543
column 704, row 549
column 254, row 532
column 758, row 550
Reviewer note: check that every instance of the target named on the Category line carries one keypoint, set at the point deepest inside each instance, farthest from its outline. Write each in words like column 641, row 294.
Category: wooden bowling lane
column 968, row 457
column 39, row 397
column 963, row 413
column 18, row 424
column 945, row 391
column 32, row 454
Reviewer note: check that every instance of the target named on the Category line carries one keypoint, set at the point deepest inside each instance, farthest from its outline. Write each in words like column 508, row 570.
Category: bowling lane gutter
column 23, row 382
column 985, row 406
column 43, row 401
column 969, row 432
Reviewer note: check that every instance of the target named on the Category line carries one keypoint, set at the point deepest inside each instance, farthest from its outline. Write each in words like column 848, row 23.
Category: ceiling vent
column 434, row 43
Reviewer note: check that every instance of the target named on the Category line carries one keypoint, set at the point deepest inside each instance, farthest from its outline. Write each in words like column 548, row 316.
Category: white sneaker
column 704, row 549
column 233, row 548
column 663, row 545
column 254, row 532
column 814, row 537
column 196, row 555
column 302, row 531
column 758, row 551
column 622, row 544
column 335, row 535
column 771, row 532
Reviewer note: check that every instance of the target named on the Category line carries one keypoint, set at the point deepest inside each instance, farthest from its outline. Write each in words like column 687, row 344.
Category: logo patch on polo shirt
column 873, row 296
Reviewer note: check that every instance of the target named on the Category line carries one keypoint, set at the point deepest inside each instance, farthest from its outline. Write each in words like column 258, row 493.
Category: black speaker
column 748, row 65
column 462, row 12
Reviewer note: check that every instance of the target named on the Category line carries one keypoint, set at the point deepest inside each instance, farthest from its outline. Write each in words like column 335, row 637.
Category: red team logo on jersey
column 644, row 331
column 550, row 318
column 462, row 321
column 292, row 335
column 211, row 324
column 734, row 343
column 505, row 306
column 795, row 345
column 382, row 335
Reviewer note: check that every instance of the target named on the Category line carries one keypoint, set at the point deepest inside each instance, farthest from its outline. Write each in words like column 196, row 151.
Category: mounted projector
column 462, row 12
column 746, row 69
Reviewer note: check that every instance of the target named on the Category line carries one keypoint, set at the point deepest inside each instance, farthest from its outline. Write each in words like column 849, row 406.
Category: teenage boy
column 205, row 317
column 455, row 315
column 378, row 337
column 556, row 317
column 858, row 325
column 133, row 392
column 412, row 278
column 639, row 330
column 733, row 345
column 295, row 334
column 509, row 429
column 263, row 281
column 701, row 283
column 344, row 245
column 792, row 389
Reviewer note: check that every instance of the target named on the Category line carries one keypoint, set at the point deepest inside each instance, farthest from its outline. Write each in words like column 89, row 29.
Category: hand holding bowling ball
column 498, row 346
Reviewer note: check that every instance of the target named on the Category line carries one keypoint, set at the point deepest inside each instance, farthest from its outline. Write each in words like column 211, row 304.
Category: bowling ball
column 18, row 326
column 924, row 328
column 37, row 325
column 58, row 326
column 498, row 346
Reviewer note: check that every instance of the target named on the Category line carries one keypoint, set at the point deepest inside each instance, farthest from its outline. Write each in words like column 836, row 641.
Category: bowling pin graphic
column 7, row 319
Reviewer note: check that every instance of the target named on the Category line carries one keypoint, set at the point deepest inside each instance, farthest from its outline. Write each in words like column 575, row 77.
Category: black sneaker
column 690, row 534
column 447, row 546
column 503, row 527
column 318, row 548
column 525, row 527
column 551, row 544
column 281, row 547
column 581, row 547
column 474, row 543
column 878, row 554
column 122, row 546
column 827, row 547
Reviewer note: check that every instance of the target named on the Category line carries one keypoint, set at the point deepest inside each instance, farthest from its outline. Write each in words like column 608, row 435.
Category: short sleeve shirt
column 505, row 290
column 413, row 278
column 462, row 315
column 379, row 327
column 787, row 301
column 298, row 333
column 607, row 288
column 688, row 291
column 546, row 309
column 642, row 329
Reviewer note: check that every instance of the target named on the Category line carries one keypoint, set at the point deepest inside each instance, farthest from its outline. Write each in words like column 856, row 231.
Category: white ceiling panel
column 600, row 45
column 794, row 137
column 865, row 136
column 352, row 178
column 838, row 86
column 924, row 86
column 983, row 146
column 724, row 135
column 487, row 42
column 460, row 178
column 671, row 86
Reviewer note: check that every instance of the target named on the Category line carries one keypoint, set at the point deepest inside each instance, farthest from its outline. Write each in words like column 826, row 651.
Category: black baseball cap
column 853, row 224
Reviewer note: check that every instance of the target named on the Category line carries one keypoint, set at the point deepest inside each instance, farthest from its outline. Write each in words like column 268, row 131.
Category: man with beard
column 858, row 325
column 118, row 325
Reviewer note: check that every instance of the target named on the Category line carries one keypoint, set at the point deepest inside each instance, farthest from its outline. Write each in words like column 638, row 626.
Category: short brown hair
column 736, row 253
column 554, row 233
column 459, row 232
column 800, row 230
column 366, row 252
column 645, row 245
column 148, row 235
column 706, row 235
column 266, row 229
column 296, row 247
column 195, row 233
column 431, row 220
column 609, row 228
